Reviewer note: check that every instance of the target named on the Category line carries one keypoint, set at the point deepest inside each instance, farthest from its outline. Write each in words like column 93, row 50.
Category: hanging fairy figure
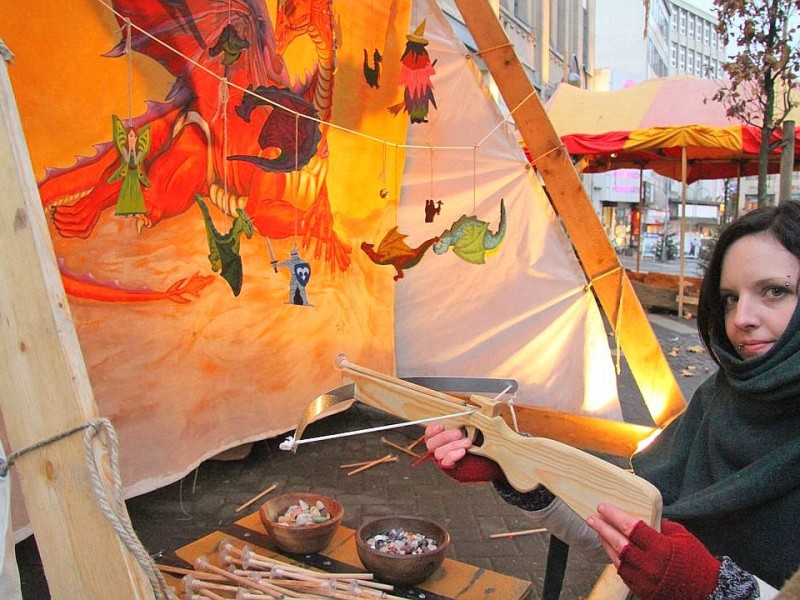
column 415, row 74
column 132, row 148
column 300, row 273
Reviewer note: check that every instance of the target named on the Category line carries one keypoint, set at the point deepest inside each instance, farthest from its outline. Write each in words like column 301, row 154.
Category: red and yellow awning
column 647, row 125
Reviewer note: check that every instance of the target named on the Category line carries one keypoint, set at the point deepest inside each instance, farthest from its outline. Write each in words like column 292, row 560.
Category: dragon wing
column 178, row 26
column 393, row 244
column 471, row 246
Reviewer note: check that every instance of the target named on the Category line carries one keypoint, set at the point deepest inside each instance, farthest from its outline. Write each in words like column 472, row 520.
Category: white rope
column 114, row 509
column 280, row 106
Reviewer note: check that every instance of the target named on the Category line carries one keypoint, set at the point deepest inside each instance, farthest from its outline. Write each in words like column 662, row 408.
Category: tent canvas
column 182, row 381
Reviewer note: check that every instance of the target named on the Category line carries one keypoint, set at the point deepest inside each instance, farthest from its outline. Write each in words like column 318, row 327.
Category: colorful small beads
column 401, row 542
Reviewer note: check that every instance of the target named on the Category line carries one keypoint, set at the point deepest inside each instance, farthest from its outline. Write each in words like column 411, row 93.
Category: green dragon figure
column 224, row 248
column 471, row 238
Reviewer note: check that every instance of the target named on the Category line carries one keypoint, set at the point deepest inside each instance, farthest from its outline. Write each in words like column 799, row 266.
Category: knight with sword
column 300, row 274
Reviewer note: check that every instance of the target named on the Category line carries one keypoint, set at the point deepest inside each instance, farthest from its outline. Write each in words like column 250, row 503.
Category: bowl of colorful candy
column 402, row 550
column 301, row 523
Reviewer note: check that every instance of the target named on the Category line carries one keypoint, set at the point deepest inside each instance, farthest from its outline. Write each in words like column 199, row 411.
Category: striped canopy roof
column 647, row 124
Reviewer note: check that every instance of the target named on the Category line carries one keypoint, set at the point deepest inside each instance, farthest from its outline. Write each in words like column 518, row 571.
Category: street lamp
column 574, row 77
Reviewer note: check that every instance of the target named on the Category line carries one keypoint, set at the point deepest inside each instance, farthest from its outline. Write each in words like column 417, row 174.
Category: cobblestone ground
column 206, row 499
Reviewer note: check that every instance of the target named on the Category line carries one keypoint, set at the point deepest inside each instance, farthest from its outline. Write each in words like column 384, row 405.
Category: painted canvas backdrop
column 182, row 381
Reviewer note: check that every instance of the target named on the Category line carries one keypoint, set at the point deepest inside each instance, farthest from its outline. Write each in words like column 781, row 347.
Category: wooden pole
column 682, row 236
column 45, row 391
column 641, row 221
column 787, row 162
column 738, row 204
column 600, row 262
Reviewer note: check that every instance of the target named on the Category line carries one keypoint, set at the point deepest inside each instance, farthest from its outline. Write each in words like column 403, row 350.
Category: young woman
column 728, row 467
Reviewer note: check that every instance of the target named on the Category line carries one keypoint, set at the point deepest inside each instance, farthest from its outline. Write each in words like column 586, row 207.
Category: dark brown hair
column 782, row 222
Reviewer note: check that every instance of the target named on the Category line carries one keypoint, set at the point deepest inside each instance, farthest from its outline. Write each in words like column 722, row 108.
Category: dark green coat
column 728, row 468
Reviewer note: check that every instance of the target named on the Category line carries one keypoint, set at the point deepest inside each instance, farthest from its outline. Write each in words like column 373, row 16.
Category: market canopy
column 645, row 126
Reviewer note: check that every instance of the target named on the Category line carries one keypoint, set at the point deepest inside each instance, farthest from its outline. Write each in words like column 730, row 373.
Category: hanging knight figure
column 300, row 273
column 415, row 74
column 132, row 148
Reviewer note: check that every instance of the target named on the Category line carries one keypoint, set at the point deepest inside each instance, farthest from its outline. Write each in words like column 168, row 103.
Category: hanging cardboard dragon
column 267, row 147
column 469, row 237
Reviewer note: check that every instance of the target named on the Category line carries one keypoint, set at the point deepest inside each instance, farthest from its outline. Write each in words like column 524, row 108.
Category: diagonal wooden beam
column 600, row 263
column 45, row 391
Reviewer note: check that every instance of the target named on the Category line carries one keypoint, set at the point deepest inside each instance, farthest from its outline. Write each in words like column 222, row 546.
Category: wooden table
column 452, row 581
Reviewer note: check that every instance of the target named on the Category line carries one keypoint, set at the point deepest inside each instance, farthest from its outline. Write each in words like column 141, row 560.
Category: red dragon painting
column 264, row 150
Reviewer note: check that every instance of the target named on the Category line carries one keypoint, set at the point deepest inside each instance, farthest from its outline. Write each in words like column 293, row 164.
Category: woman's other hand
column 667, row 565
column 614, row 526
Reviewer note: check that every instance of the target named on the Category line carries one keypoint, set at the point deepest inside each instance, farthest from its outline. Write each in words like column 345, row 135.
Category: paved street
column 206, row 499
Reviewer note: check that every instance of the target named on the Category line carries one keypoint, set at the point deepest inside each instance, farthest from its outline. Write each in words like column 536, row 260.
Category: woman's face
column 758, row 291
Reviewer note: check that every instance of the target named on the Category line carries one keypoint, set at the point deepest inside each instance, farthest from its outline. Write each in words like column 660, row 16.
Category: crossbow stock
column 580, row 480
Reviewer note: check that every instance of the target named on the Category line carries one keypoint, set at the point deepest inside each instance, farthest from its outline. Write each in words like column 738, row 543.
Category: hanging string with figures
column 224, row 249
column 132, row 147
column 228, row 261
column 272, row 103
column 384, row 191
column 299, row 269
column 432, row 206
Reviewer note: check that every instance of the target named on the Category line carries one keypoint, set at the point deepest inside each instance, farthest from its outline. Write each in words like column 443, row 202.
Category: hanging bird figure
column 373, row 74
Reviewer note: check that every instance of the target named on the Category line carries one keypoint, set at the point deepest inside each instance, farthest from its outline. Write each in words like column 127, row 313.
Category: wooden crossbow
column 580, row 480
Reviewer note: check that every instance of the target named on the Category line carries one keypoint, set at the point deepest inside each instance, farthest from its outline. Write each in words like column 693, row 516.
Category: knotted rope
column 113, row 508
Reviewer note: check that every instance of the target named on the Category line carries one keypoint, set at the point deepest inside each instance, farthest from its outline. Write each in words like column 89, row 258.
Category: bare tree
column 762, row 85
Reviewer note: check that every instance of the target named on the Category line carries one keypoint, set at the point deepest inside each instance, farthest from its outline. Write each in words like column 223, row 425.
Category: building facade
column 694, row 46
column 635, row 43
column 608, row 45
column 553, row 39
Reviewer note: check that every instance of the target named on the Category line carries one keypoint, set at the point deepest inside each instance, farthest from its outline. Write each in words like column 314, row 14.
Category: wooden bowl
column 300, row 539
column 407, row 569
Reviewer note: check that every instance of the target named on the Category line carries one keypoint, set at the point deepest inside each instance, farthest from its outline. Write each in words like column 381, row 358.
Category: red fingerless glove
column 473, row 469
column 671, row 565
